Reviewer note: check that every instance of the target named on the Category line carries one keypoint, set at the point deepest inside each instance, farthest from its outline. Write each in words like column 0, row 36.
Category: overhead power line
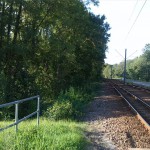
column 133, row 9
column 119, row 53
column 132, row 54
column 136, row 18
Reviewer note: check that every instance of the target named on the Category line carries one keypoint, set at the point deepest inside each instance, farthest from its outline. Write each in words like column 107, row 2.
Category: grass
column 50, row 135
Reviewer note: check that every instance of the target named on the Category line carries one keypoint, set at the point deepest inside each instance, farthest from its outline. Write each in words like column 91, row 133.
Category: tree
column 47, row 46
column 138, row 68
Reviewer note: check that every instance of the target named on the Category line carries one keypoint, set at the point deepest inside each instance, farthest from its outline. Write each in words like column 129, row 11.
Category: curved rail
column 136, row 97
column 135, row 110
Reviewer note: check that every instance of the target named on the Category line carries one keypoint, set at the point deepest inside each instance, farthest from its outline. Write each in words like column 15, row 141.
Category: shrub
column 60, row 110
column 69, row 105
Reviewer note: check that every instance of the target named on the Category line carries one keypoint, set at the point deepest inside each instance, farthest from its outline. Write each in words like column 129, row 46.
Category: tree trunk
column 17, row 22
column 2, row 24
column 9, row 21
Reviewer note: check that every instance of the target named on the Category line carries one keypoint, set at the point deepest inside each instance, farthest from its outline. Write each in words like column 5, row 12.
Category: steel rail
column 139, row 116
column 136, row 97
column 144, row 88
column 133, row 95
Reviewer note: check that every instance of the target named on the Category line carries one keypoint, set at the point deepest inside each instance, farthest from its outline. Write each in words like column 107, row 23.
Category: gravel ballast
column 112, row 125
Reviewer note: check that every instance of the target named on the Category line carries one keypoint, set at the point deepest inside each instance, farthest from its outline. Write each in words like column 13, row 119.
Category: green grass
column 51, row 135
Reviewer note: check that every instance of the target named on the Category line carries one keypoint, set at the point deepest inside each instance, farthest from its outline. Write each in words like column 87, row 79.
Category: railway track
column 137, row 99
column 136, row 86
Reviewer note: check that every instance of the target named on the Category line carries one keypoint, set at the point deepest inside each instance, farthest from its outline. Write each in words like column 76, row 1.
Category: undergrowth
column 72, row 103
column 50, row 135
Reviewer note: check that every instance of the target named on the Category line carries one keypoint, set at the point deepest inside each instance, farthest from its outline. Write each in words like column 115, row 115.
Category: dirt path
column 111, row 124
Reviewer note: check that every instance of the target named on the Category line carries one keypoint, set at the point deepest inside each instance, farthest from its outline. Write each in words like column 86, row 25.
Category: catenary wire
column 119, row 53
column 132, row 54
column 133, row 10
column 136, row 19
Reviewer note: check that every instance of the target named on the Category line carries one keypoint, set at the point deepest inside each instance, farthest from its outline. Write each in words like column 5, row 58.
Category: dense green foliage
column 137, row 69
column 49, row 136
column 70, row 104
column 52, row 48
column 47, row 46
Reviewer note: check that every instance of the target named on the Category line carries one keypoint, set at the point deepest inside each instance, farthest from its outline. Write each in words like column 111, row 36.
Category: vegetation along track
column 137, row 99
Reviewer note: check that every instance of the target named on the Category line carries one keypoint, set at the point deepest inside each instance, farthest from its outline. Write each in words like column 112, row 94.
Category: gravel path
column 112, row 125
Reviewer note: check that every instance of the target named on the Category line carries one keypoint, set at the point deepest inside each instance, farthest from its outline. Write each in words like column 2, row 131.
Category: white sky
column 120, row 15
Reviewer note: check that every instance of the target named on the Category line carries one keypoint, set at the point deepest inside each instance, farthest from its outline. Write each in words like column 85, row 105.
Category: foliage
column 107, row 71
column 69, row 105
column 47, row 46
column 60, row 110
column 50, row 135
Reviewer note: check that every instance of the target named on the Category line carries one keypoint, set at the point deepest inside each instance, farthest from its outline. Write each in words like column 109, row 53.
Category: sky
column 121, row 15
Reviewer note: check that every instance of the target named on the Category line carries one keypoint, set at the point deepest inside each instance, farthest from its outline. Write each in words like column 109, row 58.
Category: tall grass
column 50, row 135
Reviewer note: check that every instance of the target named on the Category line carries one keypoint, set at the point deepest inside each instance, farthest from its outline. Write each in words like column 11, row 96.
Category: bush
column 69, row 105
column 60, row 110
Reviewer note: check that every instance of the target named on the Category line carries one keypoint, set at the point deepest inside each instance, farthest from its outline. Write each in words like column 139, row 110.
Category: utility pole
column 125, row 61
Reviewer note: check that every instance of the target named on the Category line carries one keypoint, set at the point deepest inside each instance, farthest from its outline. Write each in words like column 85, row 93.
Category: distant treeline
column 47, row 46
column 137, row 69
